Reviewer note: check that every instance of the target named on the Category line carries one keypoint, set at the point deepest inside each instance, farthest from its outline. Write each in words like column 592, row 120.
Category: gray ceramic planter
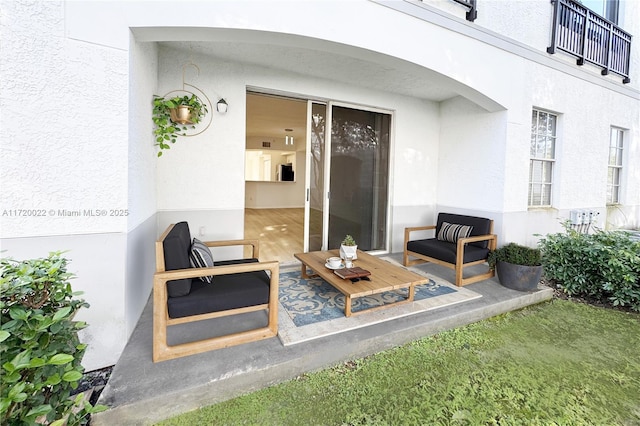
column 518, row 277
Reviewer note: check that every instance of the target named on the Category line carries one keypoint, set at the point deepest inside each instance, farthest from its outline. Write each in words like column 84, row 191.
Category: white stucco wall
column 141, row 185
column 472, row 157
column 64, row 118
column 58, row 150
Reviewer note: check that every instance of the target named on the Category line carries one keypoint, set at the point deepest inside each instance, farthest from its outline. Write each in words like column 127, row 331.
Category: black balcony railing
column 472, row 13
column 591, row 38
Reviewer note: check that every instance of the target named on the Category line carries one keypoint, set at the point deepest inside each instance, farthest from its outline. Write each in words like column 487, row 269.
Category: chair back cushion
column 176, row 246
column 481, row 225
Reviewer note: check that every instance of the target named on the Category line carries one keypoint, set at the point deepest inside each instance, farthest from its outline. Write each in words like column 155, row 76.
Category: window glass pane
column 614, row 171
column 546, row 172
column 551, row 124
column 613, row 192
column 615, row 176
column 546, row 195
column 539, row 147
column 539, row 195
column 615, row 199
column 542, row 123
column 535, row 173
column 611, row 10
column 596, row 6
column 616, row 138
column 534, row 195
column 550, row 148
column 543, row 141
column 613, row 156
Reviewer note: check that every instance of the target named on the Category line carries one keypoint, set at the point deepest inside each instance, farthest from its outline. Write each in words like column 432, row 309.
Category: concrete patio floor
column 141, row 392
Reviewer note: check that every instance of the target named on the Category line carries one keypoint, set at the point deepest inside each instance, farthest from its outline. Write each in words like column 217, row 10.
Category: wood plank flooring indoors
column 280, row 232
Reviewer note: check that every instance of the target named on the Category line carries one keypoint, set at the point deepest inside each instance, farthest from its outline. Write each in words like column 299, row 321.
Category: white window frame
column 615, row 165
column 544, row 161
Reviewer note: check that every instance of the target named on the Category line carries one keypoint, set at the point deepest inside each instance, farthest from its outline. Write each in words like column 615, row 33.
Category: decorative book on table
column 351, row 273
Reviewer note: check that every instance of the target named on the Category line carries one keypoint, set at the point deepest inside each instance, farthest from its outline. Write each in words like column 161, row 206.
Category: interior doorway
column 307, row 187
column 275, row 174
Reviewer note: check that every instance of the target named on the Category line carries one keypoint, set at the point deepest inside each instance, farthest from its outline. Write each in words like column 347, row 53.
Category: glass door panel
column 315, row 200
column 359, row 171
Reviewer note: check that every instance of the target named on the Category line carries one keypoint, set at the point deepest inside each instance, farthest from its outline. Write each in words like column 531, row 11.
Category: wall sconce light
column 222, row 106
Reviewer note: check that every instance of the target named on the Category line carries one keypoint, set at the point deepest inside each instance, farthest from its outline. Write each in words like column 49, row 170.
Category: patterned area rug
column 312, row 308
column 308, row 301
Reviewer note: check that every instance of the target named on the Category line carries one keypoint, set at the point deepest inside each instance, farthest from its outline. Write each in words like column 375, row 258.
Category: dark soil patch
column 558, row 293
column 95, row 380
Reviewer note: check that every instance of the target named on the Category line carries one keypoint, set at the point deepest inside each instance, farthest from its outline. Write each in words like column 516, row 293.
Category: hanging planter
column 181, row 114
column 177, row 115
column 173, row 116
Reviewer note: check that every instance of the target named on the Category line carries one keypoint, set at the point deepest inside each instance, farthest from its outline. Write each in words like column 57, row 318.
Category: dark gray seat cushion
column 446, row 251
column 226, row 292
column 189, row 297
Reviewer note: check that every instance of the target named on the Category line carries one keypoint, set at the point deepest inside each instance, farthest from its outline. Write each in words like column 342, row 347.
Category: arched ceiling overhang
column 318, row 58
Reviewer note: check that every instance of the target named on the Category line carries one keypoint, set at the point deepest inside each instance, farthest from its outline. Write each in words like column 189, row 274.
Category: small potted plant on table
column 518, row 267
column 348, row 248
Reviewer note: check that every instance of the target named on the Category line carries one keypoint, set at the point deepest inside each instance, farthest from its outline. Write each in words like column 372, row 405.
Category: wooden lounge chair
column 459, row 241
column 236, row 287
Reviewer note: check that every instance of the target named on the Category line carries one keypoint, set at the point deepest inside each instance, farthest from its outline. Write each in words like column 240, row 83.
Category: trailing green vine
column 167, row 130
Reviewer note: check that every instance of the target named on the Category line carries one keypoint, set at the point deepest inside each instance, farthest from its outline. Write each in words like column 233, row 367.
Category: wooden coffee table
column 384, row 277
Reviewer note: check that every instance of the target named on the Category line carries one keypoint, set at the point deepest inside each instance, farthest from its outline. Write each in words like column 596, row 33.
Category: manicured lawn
column 556, row 363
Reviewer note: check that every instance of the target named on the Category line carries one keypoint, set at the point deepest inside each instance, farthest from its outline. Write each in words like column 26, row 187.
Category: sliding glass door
column 359, row 174
column 315, row 168
column 348, row 179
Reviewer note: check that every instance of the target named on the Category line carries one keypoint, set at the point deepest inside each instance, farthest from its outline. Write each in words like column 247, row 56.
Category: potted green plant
column 172, row 116
column 518, row 267
column 348, row 248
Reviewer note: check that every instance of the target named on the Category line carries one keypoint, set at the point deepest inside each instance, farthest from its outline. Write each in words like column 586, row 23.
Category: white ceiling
column 381, row 72
column 269, row 116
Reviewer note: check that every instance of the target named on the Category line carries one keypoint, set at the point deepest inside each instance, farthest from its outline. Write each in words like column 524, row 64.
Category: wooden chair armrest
column 255, row 245
column 492, row 238
column 178, row 274
column 160, row 279
column 411, row 229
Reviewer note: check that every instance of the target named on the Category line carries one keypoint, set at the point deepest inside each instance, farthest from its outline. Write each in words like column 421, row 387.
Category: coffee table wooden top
column 384, row 275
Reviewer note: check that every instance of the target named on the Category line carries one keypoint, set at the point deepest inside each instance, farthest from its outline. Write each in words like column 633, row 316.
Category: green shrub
column 516, row 254
column 41, row 353
column 604, row 265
